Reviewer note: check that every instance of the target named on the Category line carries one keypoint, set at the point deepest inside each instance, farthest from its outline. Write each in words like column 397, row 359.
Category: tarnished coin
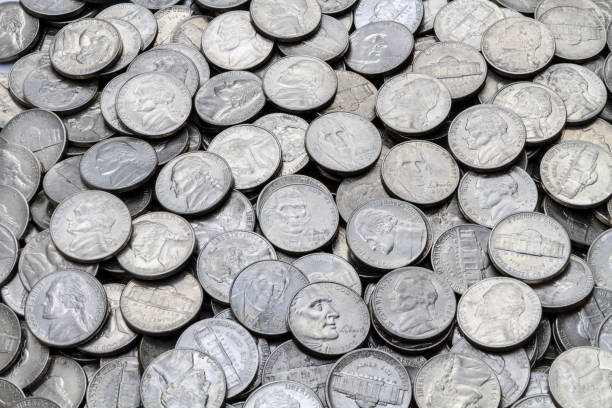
column 329, row 43
column 582, row 91
column 542, row 110
column 486, row 199
column 535, row 401
column 580, row 378
column 66, row 308
column 46, row 89
column 160, row 245
column 11, row 337
column 581, row 226
column 499, row 313
column 183, row 378
column 87, row 126
column 9, row 251
column 14, row 295
column 493, row 83
column 299, row 218
column 459, row 66
column 286, row 20
column 171, row 62
column 224, row 256
column 290, row 130
column 20, row 30
column 85, row 48
column 161, row 307
column 20, row 170
column 153, row 104
column 413, row 304
column 33, row 402
column 413, row 104
column 9, row 106
column 599, row 260
column 230, row 344
column 168, row 19
column 379, row 48
column 466, row 21
column 604, row 335
column 408, row 13
column 253, row 154
column 569, row 289
column 343, row 143
column 261, row 293
column 63, row 180
column 420, row 172
column 230, row 98
column 117, row 382
column 230, row 42
column 518, row 46
column 355, row 95
column 283, row 394
column 14, row 216
column 156, row 4
column 598, row 132
column 138, row 16
column 460, row 256
column 487, row 137
column 40, row 258
column 324, row 267
column 511, row 368
column 32, row 363
column 108, row 99
column 386, row 234
column 356, row 373
column 64, row 383
column 190, row 31
column 54, row 10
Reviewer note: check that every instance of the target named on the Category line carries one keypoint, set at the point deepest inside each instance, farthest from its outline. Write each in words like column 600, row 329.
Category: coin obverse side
column 139, row 16
column 408, row 12
column 20, row 30
column 64, row 383
column 286, row 20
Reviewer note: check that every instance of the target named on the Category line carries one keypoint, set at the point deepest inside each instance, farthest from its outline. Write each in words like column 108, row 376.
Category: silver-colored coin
column 299, row 218
column 63, row 180
column 183, row 378
column 171, row 62
column 131, row 45
column 194, row 55
column 466, row 21
column 14, row 216
column 230, row 42
column 420, row 172
column 577, row 174
column 190, row 31
column 66, row 308
column 538, row 382
column 11, row 395
column 285, row 181
column 116, row 383
column 46, row 89
column 11, row 337
column 606, row 9
column 604, row 335
column 343, row 143
column 413, row 304
column 598, row 132
column 195, row 138
column 535, row 401
column 583, row 92
column 290, row 130
column 230, row 98
column 137, row 201
column 431, row 8
column 64, row 383
column 33, row 402
column 599, row 260
column 108, row 99
column 445, row 217
column 324, row 267
column 53, row 10
column 336, row 7
column 156, row 4
column 412, row 363
column 152, row 347
column 230, row 344
column 91, row 226
column 529, row 246
column 487, row 137
column 20, row 30
column 492, row 84
column 329, row 43
column 252, row 152
column 225, row 256
column 85, row 48
column 413, row 104
column 286, row 20
column 379, row 48
column 518, row 46
column 32, row 363
column 607, row 72
column 461, row 258
column 355, row 95
column 154, row 104
column 9, row 250
column 511, row 368
column 408, row 13
column 499, row 314
column 87, row 126
column 261, row 293
column 160, row 245
column 167, row 20
column 569, row 289
column 14, row 295
column 522, row 6
column 300, row 84
column 486, row 199
column 221, row 5
column 356, row 373
column 137, row 15
column 459, row 66
column 580, row 378
column 40, row 258
column 118, row 164
column 386, row 234
column 283, row 393
column 542, row 110
column 19, row 170
column 9, row 106
column 582, row 226
column 161, row 307
column 170, row 147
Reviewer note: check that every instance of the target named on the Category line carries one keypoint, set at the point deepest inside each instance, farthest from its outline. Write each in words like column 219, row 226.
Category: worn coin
column 408, row 13
column 324, row 267
column 355, row 95
column 261, row 293
column 108, row 99
column 14, row 216
column 189, row 32
column 582, row 226
column 183, row 378
column 34, row 402
column 32, row 363
column 9, row 251
column 9, row 106
column 286, row 20
column 161, row 307
column 230, row 344
column 14, row 295
column 21, row 69
column 598, row 132
column 20, row 170
column 356, row 373
column 413, row 104
column 20, row 29
column 115, row 383
column 329, row 43
column 599, row 260
column 224, row 256
column 64, row 383
column 138, row 16
column 131, row 45
column 11, row 337
column 168, row 19
column 12, row 394
column 87, row 126
column 63, row 180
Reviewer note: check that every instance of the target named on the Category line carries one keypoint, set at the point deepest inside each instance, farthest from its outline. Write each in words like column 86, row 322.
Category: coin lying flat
column 598, row 132
column 137, row 15
column 598, row 259
column 324, row 267
column 167, row 20
column 408, row 13
column 187, row 378
column 9, row 248
column 20, row 170
column 21, row 69
column 131, row 45
column 108, row 99
column 64, row 383
column 116, row 381
column 286, row 20
column 20, row 30
column 285, row 181
column 12, row 336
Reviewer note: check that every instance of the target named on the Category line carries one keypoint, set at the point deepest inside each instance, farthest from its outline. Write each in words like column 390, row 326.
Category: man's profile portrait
column 153, row 245
column 574, row 89
column 182, row 384
column 266, row 290
column 227, row 98
column 498, row 195
column 90, row 225
column 315, row 319
column 486, row 133
column 300, row 83
column 412, row 102
column 413, row 301
column 154, row 105
column 83, row 47
column 520, row 45
column 534, row 106
column 288, row 15
column 12, row 25
column 499, row 311
column 117, row 162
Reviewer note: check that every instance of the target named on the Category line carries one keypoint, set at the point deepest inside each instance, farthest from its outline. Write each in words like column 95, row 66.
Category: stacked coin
column 305, row 203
